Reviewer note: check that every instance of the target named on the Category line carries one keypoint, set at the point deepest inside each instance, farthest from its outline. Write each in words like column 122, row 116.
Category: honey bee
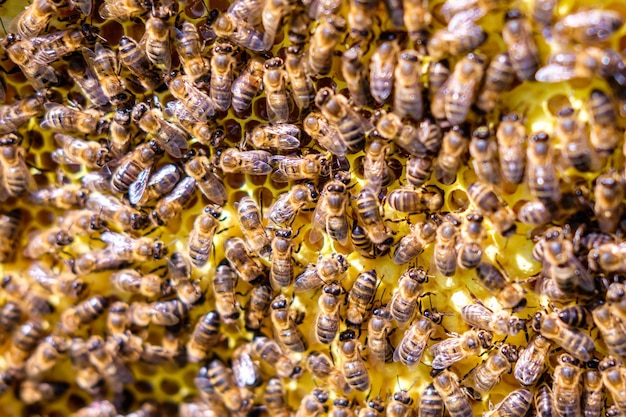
column 593, row 393
column 373, row 408
column 10, row 230
column 589, row 27
column 603, row 133
column 470, row 249
column 114, row 211
column 249, row 217
column 438, row 74
column 321, row 367
column 585, row 65
column 341, row 408
column 224, row 283
column 329, row 268
column 271, row 353
column 258, row 305
column 168, row 313
column 510, row 135
column 189, row 48
column 460, row 37
column 33, row 19
column 516, row 404
column 293, row 168
column 63, row 284
column 47, row 241
column 611, row 329
column 167, row 135
column 517, row 34
column 382, row 65
column 121, row 131
column 64, row 119
column 543, row 401
column 412, row 346
column 275, row 398
column 118, row 319
column 573, row 341
column 417, row 18
column 283, row 136
column 352, row 364
column 330, row 213
column 66, row 197
column 14, row 115
column 327, row 318
column 608, row 207
column 360, row 298
column 375, row 168
column 28, row 297
column 369, row 216
column 220, row 378
column 407, row 99
column 447, row 385
column 199, row 168
column 566, row 387
column 132, row 167
column 500, row 322
column 123, row 10
column 32, row 392
column 453, row 150
column 407, row 136
column 241, row 33
column 404, row 300
column 563, row 267
column 198, row 103
column 179, row 272
column 45, row 356
column 234, row 161
column 312, row 405
column 156, row 42
column 614, row 380
column 509, row 295
column 454, row 349
column 284, row 327
column 77, row 151
column 499, row 78
column 485, row 376
column 430, row 403
column 320, row 53
column 222, row 64
column 10, row 315
column 273, row 13
column 543, row 181
column 282, row 268
column 298, row 26
column 137, row 62
column 328, row 137
column 413, row 200
column 454, row 98
column 576, row 147
column 173, row 204
column 247, row 85
column 21, row 53
column 246, row 267
column 87, row 376
column 445, row 253
column 608, row 257
column 201, row 235
column 411, row 245
column 104, row 64
column 364, row 246
column 97, row 409
column 286, row 207
column 378, row 330
column 301, row 84
column 148, row 188
column 134, row 249
column 83, row 313
column 487, row 201
column 350, row 125
column 355, row 74
column 205, row 335
column 274, row 82
column 483, row 151
column 205, row 133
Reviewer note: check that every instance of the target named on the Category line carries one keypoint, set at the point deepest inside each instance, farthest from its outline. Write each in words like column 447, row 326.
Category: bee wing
column 171, row 139
column 83, row 6
column 443, row 361
column 117, row 240
column 39, row 271
column 319, row 221
column 554, row 73
column 244, row 371
column 584, row 280
column 164, row 317
column 137, row 189
column 339, row 227
column 61, row 158
column 260, row 168
column 308, row 280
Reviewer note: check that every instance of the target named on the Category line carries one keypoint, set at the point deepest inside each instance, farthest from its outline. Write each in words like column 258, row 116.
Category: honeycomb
column 171, row 383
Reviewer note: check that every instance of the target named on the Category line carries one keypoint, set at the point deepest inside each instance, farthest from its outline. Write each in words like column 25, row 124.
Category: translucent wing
column 137, row 189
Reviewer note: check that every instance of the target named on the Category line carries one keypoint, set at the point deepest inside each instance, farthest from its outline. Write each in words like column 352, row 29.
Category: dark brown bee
column 133, row 57
column 413, row 200
column 10, row 228
column 453, row 150
column 257, row 308
column 354, row 72
column 411, row 245
column 430, row 403
column 337, row 110
column 360, row 298
column 10, row 316
column 224, row 283
column 603, row 134
column 205, row 335
column 132, row 165
column 173, row 203
column 247, row 267
column 574, row 341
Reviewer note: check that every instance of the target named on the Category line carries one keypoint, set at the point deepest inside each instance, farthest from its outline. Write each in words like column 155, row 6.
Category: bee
column 82, row 314
column 234, row 161
column 23, row 343
column 224, row 283
column 341, row 408
column 575, row 316
column 611, row 328
column 14, row 115
column 543, row 401
column 293, row 168
column 173, row 204
column 447, row 385
column 105, row 66
column 275, row 398
column 369, row 216
column 411, row 245
column 247, row 85
column 137, row 62
column 593, row 393
column 485, row 376
column 453, row 150
column 509, row 295
column 327, row 136
column 199, row 168
column 271, row 353
column 168, row 313
column 438, row 74
column 45, row 356
column 201, row 235
column 409, row 199
column 407, row 99
column 205, row 335
column 483, row 151
column 510, row 136
column 222, row 64
column 378, row 330
column 286, row 207
column 327, row 35
column 350, row 125
column 221, row 379
column 134, row 249
column 132, row 166
column 499, row 78
column 114, row 211
column 412, row 346
column 329, row 268
column 360, row 298
column 487, row 201
column 589, row 27
column 123, row 10
column 454, row 349
column 47, row 241
column 204, row 133
column 64, row 119
column 400, row 405
column 66, row 285
column 97, row 409
column 10, row 315
column 121, row 131
column 32, row 392
column 189, row 48
column 614, row 380
column 454, row 98
column 576, row 147
column 87, row 376
column 65, row 197
column 516, row 404
column 246, row 267
column 148, row 188
column 461, row 36
column 28, row 297
column 608, row 257
column 51, row 47
column 179, row 271
column 404, row 300
column 373, row 408
column 21, row 53
column 118, row 319
column 281, row 269
column 445, row 252
column 407, row 136
column 355, row 74
column 470, row 248
column 168, row 136
column 327, row 318
column 313, row 404
column 573, row 341
column 566, row 387
column 543, row 181
column 608, row 207
column 284, row 326
column 273, row 13
column 258, row 305
column 517, row 34
column 500, row 322
column 321, row 367
column 585, row 65
column 352, row 364
column 382, row 65
column 10, row 231
column 301, row 84
column 241, row 33
column 283, row 136
column 375, row 168
column 364, row 246
column 603, row 133
column 417, row 18
column 198, row 103
column 275, row 85
column 33, row 19
column 156, row 42
column 77, row 151
column 430, row 403
column 330, row 213
column 561, row 264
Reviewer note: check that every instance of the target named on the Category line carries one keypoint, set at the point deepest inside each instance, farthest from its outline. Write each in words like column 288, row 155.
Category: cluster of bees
column 364, row 170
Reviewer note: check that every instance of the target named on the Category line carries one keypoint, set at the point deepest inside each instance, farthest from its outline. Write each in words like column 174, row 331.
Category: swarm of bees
column 304, row 208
